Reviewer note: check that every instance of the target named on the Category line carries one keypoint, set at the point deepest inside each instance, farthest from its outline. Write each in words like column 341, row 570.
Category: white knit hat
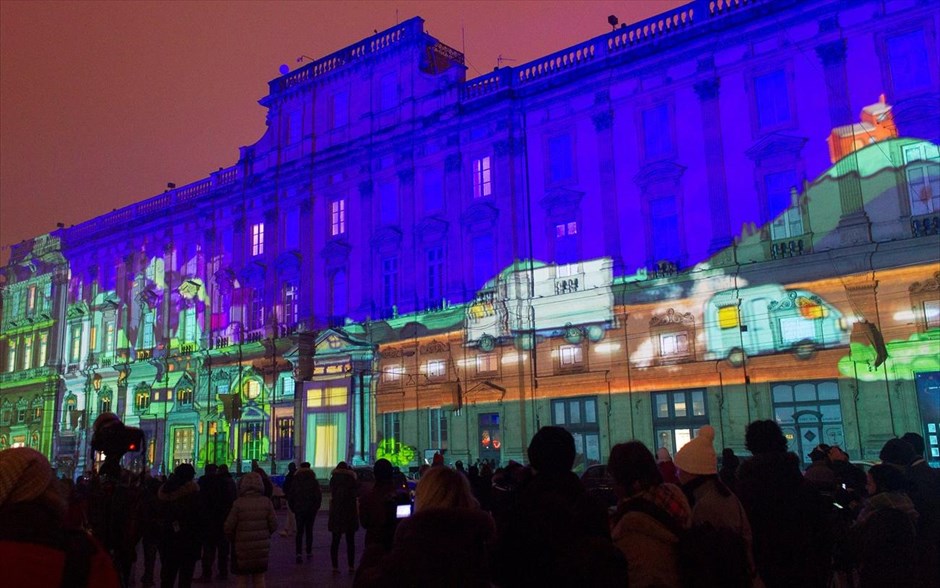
column 698, row 455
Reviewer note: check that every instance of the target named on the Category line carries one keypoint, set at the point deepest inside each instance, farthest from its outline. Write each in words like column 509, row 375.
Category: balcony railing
column 28, row 374
column 783, row 248
column 924, row 225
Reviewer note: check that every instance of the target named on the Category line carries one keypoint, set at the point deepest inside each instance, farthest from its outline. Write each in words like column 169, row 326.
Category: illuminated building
column 361, row 274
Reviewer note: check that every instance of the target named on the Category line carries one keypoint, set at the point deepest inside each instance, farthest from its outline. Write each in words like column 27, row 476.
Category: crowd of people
column 684, row 520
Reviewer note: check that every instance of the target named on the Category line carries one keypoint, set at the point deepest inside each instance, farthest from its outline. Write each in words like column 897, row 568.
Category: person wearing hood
column 249, row 526
column 344, row 515
column 304, row 499
column 34, row 544
column 790, row 519
column 882, row 542
column 180, row 543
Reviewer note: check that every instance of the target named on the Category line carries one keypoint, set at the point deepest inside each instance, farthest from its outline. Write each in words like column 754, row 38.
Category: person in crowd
column 377, row 516
column 445, row 543
column 637, row 526
column 728, row 473
column 304, row 499
column 290, row 527
column 714, row 504
column 820, row 473
column 35, row 546
column 505, row 485
column 268, row 485
column 249, row 526
column 554, row 533
column 849, row 477
column 789, row 518
column 344, row 515
column 437, row 460
column 881, row 543
column 924, row 491
column 667, row 468
column 216, row 502
column 458, row 465
column 148, row 513
column 181, row 527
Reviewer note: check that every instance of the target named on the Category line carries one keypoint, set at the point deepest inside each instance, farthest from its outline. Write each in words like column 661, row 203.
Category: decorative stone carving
column 672, row 318
column 931, row 285
column 434, row 347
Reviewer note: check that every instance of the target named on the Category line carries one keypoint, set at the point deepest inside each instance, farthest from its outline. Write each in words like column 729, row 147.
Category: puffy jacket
column 305, row 495
column 249, row 526
column 344, row 514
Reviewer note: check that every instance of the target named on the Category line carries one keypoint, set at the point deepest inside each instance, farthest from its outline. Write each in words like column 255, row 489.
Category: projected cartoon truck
column 526, row 298
column 770, row 319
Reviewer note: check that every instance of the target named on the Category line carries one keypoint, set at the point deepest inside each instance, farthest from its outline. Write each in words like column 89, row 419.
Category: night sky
column 103, row 103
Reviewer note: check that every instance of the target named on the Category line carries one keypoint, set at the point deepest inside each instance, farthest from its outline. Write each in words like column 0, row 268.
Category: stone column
column 707, row 91
column 603, row 126
column 832, row 56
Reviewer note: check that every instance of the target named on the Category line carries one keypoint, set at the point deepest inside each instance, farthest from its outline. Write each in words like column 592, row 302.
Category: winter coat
column 181, row 522
column 881, row 543
column 556, row 535
column 216, row 502
column 649, row 546
column 249, row 526
column 344, row 512
column 789, row 519
column 305, row 495
column 36, row 549
column 438, row 547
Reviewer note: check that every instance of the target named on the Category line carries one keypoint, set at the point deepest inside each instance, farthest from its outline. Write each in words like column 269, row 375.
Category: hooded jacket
column 305, row 495
column 181, row 521
column 344, row 514
column 249, row 526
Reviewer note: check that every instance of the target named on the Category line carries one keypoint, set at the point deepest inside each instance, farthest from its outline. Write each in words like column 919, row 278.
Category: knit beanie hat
column 26, row 476
column 698, row 455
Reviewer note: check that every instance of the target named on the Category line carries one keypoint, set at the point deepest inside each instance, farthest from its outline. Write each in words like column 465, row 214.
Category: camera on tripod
column 114, row 438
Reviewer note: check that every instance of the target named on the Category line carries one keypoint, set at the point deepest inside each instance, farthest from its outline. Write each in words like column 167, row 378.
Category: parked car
column 600, row 485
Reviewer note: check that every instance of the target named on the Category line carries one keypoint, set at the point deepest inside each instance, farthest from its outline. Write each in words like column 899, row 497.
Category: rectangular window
column 257, row 239
column 146, row 337
column 388, row 91
column 435, row 260
column 339, row 109
column 109, row 336
column 657, row 135
column 674, row 344
column 486, row 363
column 437, row 428
column 338, row 295
column 388, row 202
column 932, row 313
column 566, row 242
column 184, row 396
column 253, row 441
column 437, row 368
column 11, row 356
column 289, row 299
column 292, row 229
column 285, row 438
column 391, row 425
column 43, row 348
column 728, row 317
column 923, row 179
column 490, row 436
column 809, row 413
column 482, row 180
column 773, row 99
column 93, row 338
column 27, row 352
column 75, row 343
column 664, row 220
column 389, row 283
column 338, row 217
column 433, row 189
column 561, row 167
column 392, row 373
column 782, row 208
column 570, row 355
column 909, row 62
column 579, row 417
column 255, row 318
column 677, row 417
column 31, row 299
column 482, row 251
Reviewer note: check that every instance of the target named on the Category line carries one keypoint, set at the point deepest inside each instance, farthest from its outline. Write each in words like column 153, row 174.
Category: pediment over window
column 335, row 253
column 431, row 229
column 77, row 310
column 776, row 145
column 386, row 238
column 479, row 217
column 253, row 273
column 148, row 297
column 288, row 262
column 561, row 202
column 931, row 285
column 225, row 279
column 658, row 172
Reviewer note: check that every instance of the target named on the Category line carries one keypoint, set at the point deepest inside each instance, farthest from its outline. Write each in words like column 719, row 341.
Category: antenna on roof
column 500, row 59
column 302, row 57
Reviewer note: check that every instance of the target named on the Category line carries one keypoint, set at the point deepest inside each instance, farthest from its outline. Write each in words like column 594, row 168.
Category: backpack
column 708, row 556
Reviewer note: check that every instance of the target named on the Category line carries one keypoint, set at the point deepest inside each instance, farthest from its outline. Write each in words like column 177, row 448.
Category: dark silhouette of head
column 887, row 478
column 633, row 467
column 211, row 469
column 897, row 452
column 916, row 442
column 729, row 459
column 552, row 450
column 292, row 467
column 765, row 437
column 382, row 470
column 184, row 472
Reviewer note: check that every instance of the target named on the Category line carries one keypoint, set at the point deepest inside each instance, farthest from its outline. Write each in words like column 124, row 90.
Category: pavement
column 283, row 571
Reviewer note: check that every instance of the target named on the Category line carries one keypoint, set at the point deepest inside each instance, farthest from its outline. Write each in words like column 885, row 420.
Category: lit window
column 570, row 355
column 482, row 180
column 257, row 239
column 674, row 343
column 43, row 347
column 728, row 317
column 108, row 337
column 75, row 343
column 27, row 352
column 11, row 356
column 392, row 373
column 142, row 400
column 932, row 313
column 290, row 303
column 184, row 396
column 677, row 417
column 923, row 179
column 437, row 368
column 486, row 363
column 338, row 217
column 31, row 299
column 252, row 389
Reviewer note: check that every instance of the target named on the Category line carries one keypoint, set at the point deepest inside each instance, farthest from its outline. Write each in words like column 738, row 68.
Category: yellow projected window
column 314, row 398
column 728, row 317
column 336, row 396
column 327, row 446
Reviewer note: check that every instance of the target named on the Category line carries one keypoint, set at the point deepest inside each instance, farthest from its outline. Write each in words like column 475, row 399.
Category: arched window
column 142, row 398
column 104, row 401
